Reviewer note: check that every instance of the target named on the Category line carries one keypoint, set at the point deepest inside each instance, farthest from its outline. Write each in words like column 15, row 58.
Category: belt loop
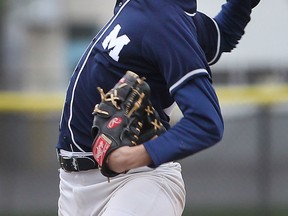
column 60, row 158
column 58, row 154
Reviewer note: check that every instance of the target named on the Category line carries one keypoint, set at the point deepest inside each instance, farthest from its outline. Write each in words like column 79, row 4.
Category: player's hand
column 126, row 158
column 126, row 118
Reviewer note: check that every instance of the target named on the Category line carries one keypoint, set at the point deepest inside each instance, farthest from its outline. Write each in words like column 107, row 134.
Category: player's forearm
column 126, row 158
column 200, row 128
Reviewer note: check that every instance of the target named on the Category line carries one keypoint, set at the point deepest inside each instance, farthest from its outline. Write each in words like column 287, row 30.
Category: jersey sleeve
column 201, row 126
column 232, row 20
column 177, row 55
column 171, row 45
column 222, row 33
column 209, row 36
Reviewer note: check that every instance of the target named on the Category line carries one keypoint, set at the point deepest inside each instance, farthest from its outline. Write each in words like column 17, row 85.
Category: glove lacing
column 112, row 97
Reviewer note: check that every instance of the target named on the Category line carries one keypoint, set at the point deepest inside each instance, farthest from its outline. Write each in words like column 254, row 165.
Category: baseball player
column 171, row 44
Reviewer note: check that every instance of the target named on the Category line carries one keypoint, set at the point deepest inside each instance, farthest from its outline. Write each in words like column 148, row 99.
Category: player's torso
column 118, row 47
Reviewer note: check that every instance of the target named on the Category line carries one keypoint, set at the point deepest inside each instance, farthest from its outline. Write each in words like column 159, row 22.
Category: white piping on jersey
column 218, row 43
column 62, row 113
column 74, row 154
column 189, row 14
column 80, row 72
column 188, row 75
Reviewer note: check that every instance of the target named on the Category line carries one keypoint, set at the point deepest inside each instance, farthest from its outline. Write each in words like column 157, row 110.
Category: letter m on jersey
column 114, row 43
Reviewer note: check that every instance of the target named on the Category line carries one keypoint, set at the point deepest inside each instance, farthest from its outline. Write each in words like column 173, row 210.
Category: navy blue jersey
column 165, row 41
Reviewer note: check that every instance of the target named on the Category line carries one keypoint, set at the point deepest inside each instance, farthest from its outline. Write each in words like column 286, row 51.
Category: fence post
column 264, row 160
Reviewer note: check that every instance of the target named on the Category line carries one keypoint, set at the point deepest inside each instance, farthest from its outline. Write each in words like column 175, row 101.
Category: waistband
column 76, row 161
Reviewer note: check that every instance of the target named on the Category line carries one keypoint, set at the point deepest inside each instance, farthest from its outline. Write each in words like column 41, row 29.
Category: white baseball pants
column 140, row 192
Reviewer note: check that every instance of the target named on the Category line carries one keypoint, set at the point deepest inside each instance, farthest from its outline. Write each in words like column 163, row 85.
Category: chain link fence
column 245, row 173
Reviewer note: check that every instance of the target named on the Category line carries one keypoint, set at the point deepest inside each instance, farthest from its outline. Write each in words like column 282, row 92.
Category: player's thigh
column 83, row 193
column 148, row 194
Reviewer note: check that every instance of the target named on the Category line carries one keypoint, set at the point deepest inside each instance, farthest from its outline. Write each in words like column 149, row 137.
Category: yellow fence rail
column 258, row 94
column 31, row 102
column 53, row 102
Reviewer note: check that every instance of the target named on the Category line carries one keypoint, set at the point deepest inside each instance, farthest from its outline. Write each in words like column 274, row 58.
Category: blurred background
column 245, row 174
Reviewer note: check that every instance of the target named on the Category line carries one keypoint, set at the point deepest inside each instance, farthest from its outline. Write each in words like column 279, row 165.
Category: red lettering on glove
column 100, row 148
column 115, row 122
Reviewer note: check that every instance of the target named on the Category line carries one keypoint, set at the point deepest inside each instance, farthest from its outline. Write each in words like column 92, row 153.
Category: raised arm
column 223, row 32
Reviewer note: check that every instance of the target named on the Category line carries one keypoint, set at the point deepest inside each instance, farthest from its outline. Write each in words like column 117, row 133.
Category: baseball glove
column 124, row 117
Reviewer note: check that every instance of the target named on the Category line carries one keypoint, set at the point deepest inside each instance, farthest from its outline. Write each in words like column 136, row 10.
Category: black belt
column 76, row 163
